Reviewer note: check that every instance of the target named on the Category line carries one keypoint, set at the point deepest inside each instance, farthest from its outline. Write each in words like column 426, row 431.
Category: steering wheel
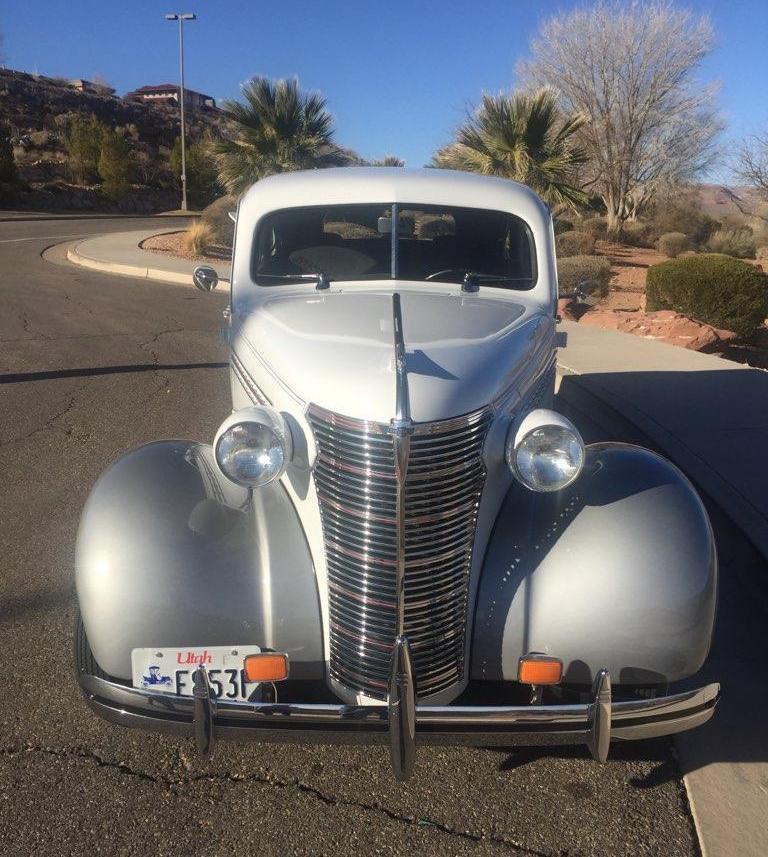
column 444, row 271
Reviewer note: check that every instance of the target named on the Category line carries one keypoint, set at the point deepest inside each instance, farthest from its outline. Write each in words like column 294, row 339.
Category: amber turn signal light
column 266, row 666
column 539, row 669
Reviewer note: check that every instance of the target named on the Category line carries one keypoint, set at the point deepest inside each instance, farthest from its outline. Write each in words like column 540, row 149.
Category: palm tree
column 388, row 161
column 521, row 136
column 277, row 129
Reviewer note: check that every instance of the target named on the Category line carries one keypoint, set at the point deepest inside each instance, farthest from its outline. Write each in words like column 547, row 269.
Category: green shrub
column 575, row 243
column 672, row 244
column 733, row 241
column 216, row 217
column 713, row 288
column 83, row 143
column 202, row 176
column 575, row 271
column 115, row 165
column 597, row 227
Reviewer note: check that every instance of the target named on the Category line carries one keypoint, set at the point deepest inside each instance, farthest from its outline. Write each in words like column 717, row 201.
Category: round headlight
column 253, row 446
column 546, row 451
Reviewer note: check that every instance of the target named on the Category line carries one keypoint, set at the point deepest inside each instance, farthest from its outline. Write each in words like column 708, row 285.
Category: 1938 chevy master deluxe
column 393, row 537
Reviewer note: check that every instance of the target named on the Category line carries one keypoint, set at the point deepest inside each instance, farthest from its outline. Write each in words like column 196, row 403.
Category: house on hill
column 168, row 93
column 89, row 86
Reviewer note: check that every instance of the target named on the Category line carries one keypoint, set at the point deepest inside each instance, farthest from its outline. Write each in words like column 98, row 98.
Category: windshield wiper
column 320, row 279
column 472, row 280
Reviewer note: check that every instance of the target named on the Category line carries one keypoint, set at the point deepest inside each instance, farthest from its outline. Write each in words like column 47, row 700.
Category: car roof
column 350, row 185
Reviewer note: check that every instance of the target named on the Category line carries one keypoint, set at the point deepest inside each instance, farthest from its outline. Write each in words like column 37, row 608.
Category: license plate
column 170, row 670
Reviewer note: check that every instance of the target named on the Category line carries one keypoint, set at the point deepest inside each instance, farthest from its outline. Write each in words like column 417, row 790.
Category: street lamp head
column 183, row 16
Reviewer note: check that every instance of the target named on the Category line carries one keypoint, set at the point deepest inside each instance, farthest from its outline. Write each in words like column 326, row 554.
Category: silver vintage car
column 393, row 537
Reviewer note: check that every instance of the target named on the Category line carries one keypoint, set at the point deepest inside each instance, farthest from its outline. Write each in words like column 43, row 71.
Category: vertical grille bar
column 356, row 486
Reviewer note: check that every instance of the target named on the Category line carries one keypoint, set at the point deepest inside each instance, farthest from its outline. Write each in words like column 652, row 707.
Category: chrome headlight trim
column 253, row 446
column 545, row 451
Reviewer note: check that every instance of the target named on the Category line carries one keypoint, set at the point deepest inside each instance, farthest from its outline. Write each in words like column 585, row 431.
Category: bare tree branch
column 752, row 162
column 629, row 67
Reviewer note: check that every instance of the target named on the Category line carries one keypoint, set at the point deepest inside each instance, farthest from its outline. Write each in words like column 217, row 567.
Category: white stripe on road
column 46, row 237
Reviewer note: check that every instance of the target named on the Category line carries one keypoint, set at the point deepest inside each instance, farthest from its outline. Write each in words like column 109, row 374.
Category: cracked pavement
column 71, row 784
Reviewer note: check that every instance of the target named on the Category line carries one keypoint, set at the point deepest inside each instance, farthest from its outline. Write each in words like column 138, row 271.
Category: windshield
column 357, row 242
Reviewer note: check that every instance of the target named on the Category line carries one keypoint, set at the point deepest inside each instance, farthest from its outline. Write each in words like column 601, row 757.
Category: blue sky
column 398, row 76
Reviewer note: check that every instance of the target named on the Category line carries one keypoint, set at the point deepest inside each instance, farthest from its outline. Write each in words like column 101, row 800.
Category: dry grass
column 197, row 238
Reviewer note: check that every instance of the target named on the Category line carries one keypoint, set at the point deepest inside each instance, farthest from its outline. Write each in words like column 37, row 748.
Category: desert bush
column 115, row 164
column 216, row 218
column 733, row 241
column 670, row 216
column 637, row 233
column 197, row 238
column 575, row 271
column 596, row 226
column 83, row 144
column 203, row 185
column 8, row 172
column 761, row 254
column 428, row 226
column 713, row 288
column 575, row 243
column 672, row 244
column 40, row 139
column 351, row 231
column 561, row 225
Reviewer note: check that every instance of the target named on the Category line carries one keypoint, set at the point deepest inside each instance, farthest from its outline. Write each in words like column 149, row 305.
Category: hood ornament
column 401, row 424
column 402, row 684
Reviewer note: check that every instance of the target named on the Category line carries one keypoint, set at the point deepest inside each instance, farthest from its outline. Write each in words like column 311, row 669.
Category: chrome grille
column 355, row 481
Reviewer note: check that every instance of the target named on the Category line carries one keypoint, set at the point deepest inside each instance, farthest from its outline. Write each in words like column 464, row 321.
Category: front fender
column 171, row 553
column 618, row 571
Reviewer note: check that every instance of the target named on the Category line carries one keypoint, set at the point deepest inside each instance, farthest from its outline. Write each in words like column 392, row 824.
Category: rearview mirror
column 205, row 278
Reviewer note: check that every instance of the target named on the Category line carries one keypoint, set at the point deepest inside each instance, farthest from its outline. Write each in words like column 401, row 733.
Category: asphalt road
column 70, row 784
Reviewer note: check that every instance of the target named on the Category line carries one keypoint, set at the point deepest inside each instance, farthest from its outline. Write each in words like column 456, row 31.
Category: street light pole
column 181, row 17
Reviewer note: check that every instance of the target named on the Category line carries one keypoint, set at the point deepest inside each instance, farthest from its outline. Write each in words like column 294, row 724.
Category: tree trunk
column 613, row 219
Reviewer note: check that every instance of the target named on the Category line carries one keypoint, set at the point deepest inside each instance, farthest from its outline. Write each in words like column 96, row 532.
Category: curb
column 144, row 272
column 26, row 218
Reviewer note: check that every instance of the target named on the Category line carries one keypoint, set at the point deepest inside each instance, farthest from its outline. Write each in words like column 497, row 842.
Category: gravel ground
column 172, row 243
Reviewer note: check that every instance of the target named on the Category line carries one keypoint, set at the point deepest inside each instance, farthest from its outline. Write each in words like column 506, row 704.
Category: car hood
column 337, row 349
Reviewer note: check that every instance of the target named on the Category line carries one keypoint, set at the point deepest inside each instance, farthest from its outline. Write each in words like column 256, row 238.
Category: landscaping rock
column 568, row 310
column 664, row 325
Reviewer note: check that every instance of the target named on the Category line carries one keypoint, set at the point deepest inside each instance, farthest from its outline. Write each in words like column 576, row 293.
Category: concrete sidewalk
column 710, row 416
column 119, row 253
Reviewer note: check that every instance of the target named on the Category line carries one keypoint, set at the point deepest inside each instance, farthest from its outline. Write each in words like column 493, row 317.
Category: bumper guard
column 594, row 724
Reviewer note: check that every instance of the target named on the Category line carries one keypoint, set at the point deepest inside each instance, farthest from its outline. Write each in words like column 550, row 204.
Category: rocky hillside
column 36, row 112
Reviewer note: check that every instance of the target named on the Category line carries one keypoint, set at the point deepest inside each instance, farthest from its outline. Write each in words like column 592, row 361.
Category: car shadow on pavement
column 91, row 371
column 17, row 606
column 657, row 751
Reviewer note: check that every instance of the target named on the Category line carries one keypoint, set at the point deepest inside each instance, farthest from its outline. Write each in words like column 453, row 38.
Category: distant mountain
column 723, row 201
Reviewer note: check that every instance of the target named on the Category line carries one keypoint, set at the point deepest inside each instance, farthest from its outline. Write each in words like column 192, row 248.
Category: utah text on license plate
column 170, row 670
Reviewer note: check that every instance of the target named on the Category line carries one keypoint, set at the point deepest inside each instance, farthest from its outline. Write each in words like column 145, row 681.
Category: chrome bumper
column 594, row 724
